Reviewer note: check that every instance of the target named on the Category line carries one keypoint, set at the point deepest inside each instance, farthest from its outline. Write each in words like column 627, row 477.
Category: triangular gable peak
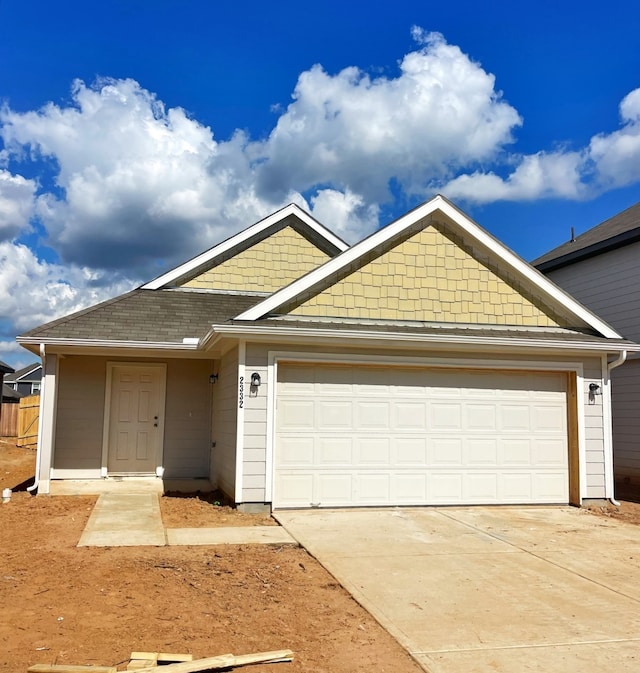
column 432, row 265
column 264, row 257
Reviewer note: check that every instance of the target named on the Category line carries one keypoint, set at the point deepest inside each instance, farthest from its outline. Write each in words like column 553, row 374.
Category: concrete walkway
column 553, row 590
column 134, row 519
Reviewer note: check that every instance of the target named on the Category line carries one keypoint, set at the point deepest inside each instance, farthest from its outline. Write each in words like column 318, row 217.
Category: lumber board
column 222, row 661
column 137, row 664
column 144, row 655
column 174, row 658
column 67, row 668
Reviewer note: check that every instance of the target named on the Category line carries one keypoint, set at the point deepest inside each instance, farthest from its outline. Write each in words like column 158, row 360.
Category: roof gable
column 32, row 372
column 437, row 252
column 305, row 239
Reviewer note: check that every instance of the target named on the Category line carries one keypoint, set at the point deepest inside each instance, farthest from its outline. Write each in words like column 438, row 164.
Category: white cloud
column 17, row 201
column 33, row 291
column 356, row 133
column 349, row 214
column 609, row 161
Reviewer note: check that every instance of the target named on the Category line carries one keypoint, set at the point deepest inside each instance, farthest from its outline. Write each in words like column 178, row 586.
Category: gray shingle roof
column 34, row 367
column 154, row 316
column 5, row 368
column 425, row 329
column 619, row 230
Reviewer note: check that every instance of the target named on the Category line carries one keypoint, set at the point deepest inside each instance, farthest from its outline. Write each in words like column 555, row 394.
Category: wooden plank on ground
column 66, row 668
column 137, row 664
column 222, row 661
column 170, row 657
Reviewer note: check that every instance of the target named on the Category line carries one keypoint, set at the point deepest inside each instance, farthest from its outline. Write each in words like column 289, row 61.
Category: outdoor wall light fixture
column 594, row 389
column 213, row 378
column 255, row 380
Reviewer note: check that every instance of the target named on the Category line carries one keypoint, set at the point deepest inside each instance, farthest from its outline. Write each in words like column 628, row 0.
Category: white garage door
column 363, row 436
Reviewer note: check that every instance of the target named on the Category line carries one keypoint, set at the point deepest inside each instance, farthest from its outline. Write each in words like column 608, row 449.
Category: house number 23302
column 241, row 393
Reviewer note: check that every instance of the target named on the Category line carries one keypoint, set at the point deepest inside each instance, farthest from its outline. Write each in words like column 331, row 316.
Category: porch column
column 47, row 426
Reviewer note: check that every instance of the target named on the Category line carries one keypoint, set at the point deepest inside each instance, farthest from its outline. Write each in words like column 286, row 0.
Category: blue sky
column 134, row 134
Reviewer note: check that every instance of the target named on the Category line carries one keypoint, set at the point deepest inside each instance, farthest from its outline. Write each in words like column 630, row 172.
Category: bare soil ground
column 67, row 605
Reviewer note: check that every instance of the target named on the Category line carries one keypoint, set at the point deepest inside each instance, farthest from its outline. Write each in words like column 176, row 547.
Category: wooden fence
column 9, row 419
column 21, row 420
column 28, row 417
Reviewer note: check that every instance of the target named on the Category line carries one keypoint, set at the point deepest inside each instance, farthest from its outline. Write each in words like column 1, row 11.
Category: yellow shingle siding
column 432, row 276
column 267, row 266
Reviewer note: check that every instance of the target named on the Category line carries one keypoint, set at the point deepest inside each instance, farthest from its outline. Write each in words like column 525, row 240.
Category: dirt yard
column 67, row 605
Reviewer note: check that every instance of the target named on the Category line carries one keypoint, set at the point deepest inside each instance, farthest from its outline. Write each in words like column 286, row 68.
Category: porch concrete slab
column 99, row 486
column 124, row 519
column 465, row 588
column 229, row 535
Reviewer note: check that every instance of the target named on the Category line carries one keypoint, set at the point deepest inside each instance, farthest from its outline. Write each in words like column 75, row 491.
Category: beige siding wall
column 187, row 434
column 255, row 426
column 431, row 276
column 267, row 266
column 254, row 464
column 80, row 415
column 608, row 285
column 224, row 432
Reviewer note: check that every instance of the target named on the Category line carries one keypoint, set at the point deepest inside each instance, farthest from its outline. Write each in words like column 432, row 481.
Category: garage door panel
column 445, row 451
column 481, row 452
column 481, row 417
column 372, row 488
column 515, row 452
column 481, row 487
column 332, row 489
column 445, row 416
column 409, row 488
column 409, row 416
column 373, row 451
column 296, row 415
column 371, row 415
column 334, row 414
column 410, row 451
column 375, row 436
column 334, row 450
column 516, row 418
column 297, row 452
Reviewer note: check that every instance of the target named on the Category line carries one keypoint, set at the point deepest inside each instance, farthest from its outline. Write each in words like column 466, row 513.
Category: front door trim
column 104, row 470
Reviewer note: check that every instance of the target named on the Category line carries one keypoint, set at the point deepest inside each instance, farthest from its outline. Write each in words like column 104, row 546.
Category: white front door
column 136, row 417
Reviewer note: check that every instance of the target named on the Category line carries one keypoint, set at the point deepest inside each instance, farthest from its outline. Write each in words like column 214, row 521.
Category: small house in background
column 601, row 268
column 4, row 370
column 27, row 380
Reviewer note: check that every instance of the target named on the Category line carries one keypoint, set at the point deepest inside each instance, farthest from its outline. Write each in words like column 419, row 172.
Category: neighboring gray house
column 601, row 269
column 4, row 370
column 27, row 380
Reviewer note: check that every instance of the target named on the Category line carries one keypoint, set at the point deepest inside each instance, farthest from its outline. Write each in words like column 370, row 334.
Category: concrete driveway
column 472, row 590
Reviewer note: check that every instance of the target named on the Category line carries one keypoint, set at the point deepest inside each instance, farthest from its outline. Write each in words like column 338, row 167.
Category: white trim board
column 270, row 221
column 459, row 220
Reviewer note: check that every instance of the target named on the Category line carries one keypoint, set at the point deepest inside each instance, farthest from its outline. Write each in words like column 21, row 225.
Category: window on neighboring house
column 35, row 387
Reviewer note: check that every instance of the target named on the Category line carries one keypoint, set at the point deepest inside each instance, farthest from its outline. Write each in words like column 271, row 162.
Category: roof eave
column 306, row 334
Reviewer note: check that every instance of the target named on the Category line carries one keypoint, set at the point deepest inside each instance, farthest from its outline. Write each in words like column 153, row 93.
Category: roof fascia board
column 246, row 234
column 99, row 343
column 304, row 335
column 438, row 203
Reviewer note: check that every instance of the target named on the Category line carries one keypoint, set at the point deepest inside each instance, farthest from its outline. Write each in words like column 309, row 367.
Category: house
column 26, row 380
column 425, row 365
column 4, row 370
column 601, row 268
